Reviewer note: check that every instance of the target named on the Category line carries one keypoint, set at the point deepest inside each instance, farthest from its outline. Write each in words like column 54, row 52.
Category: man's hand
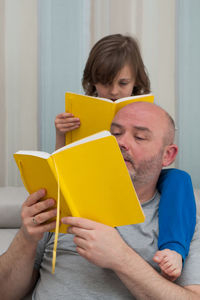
column 98, row 243
column 35, row 214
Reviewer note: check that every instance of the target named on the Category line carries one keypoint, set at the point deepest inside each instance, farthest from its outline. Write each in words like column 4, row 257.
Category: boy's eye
column 123, row 83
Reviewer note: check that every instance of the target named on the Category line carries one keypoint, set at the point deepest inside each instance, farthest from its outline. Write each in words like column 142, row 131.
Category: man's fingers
column 41, row 206
column 81, row 243
column 80, row 232
column 43, row 217
column 34, row 206
column 46, row 227
column 79, row 222
column 35, row 197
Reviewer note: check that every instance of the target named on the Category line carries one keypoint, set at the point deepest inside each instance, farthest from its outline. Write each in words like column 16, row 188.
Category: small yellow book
column 94, row 182
column 96, row 114
column 87, row 178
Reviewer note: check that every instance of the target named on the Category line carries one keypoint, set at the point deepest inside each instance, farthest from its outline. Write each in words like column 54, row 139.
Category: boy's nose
column 114, row 90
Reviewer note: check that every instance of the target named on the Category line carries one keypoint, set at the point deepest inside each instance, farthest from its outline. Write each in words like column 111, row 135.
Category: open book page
column 70, row 95
column 146, row 97
column 73, row 96
column 41, row 154
column 87, row 139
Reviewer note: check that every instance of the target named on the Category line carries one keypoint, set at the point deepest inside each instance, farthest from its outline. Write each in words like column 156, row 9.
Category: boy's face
column 122, row 85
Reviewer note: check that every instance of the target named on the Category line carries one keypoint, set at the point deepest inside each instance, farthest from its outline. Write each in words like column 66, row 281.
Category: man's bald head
column 153, row 115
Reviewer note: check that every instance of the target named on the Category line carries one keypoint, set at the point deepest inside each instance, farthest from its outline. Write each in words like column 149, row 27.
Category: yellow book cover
column 95, row 113
column 93, row 178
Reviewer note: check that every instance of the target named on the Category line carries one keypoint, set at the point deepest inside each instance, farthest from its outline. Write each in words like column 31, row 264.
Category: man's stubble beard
column 147, row 170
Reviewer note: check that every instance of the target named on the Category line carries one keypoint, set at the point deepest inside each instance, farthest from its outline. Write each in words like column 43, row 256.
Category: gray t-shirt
column 76, row 278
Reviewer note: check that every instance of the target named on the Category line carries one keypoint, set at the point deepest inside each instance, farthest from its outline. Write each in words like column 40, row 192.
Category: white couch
column 11, row 199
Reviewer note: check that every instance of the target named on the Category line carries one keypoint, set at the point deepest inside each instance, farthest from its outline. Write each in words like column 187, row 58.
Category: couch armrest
column 11, row 200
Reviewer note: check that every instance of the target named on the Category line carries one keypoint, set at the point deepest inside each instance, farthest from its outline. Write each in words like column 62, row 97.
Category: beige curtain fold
column 152, row 22
column 2, row 94
column 18, row 112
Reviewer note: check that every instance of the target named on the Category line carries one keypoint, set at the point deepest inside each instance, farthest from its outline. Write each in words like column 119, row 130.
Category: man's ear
column 169, row 154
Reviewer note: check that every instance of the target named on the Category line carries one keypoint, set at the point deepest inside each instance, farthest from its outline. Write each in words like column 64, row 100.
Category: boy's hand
column 65, row 122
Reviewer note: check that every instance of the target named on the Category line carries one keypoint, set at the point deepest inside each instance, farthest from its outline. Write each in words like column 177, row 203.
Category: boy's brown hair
column 107, row 57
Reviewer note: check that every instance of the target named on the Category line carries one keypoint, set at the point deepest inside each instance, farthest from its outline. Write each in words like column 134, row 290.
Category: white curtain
column 152, row 22
column 18, row 113
column 64, row 38
column 32, row 87
column 170, row 44
column 188, row 76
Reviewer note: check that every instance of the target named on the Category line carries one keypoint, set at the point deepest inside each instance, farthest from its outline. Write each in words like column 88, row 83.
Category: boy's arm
column 177, row 204
column 17, row 275
column 64, row 123
column 60, row 141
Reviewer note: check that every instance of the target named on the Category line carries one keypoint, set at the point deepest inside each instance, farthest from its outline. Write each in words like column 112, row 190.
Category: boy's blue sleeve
column 177, row 211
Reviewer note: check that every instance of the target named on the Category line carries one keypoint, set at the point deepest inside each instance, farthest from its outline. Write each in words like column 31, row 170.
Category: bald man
column 97, row 261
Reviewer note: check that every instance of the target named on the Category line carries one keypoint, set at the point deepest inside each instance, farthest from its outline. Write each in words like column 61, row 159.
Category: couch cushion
column 11, row 200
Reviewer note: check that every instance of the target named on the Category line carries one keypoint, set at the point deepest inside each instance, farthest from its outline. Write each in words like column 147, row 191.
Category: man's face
column 139, row 130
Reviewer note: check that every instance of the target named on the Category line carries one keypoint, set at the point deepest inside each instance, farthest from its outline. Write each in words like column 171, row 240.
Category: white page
column 132, row 97
column 41, row 154
column 46, row 155
column 92, row 137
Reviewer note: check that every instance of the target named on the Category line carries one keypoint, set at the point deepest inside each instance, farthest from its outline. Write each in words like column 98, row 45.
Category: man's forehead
column 142, row 112
column 142, row 116
column 133, row 126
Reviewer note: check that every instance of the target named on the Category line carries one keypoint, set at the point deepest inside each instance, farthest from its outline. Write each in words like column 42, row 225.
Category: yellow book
column 94, row 180
column 87, row 178
column 95, row 113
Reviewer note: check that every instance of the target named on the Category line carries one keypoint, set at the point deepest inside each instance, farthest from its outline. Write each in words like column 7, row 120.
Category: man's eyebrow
column 141, row 128
column 116, row 125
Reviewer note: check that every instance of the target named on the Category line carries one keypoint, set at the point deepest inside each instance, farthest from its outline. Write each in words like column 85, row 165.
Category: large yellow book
column 96, row 114
column 94, row 182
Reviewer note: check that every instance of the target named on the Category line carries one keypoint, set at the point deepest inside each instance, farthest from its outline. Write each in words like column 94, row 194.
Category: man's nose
column 123, row 142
